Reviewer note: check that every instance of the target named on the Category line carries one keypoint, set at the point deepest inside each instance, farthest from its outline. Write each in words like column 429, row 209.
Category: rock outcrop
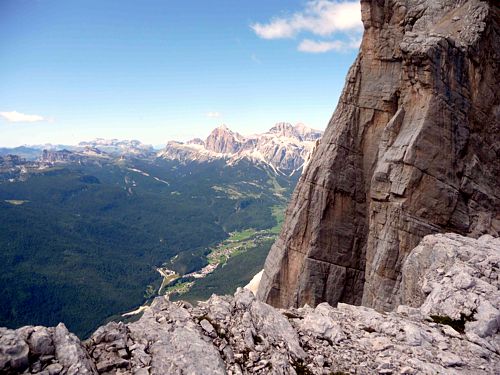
column 10, row 161
column 459, row 278
column 452, row 326
column 43, row 350
column 412, row 149
column 61, row 156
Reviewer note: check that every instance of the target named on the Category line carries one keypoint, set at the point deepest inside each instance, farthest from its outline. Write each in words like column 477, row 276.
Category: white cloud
column 276, row 29
column 321, row 46
column 354, row 43
column 314, row 46
column 320, row 17
column 213, row 114
column 15, row 116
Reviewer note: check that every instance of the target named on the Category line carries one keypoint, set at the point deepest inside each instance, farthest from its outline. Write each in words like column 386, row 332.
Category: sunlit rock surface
column 449, row 324
column 412, row 149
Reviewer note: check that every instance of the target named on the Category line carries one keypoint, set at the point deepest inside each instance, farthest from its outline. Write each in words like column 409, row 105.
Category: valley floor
column 222, row 258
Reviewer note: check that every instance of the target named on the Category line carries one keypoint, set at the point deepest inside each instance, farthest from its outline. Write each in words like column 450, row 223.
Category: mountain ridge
column 284, row 147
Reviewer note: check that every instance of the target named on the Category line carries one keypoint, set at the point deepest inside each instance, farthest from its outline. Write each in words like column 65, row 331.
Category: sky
column 159, row 70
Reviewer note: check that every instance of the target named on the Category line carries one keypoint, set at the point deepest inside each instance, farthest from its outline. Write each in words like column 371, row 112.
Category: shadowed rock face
column 413, row 148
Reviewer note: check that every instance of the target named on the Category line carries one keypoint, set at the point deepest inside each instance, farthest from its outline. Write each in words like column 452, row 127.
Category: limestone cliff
column 413, row 148
column 224, row 141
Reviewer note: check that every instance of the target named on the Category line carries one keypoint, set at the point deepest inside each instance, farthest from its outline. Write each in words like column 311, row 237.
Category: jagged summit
column 298, row 131
column 224, row 127
column 284, row 147
column 284, row 129
column 222, row 140
column 118, row 147
column 53, row 156
column 195, row 141
column 411, row 152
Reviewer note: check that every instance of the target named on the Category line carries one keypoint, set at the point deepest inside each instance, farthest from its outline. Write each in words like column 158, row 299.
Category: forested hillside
column 81, row 241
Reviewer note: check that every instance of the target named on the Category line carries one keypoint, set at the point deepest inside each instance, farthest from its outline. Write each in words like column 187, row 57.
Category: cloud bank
column 14, row 116
column 321, row 18
column 213, row 114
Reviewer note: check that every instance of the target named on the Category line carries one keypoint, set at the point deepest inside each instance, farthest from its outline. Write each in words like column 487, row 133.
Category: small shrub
column 457, row 324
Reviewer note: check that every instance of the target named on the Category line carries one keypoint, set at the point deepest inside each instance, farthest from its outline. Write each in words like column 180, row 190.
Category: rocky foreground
column 449, row 323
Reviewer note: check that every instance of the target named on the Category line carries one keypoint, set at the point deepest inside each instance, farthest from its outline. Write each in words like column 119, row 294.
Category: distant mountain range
column 284, row 148
column 85, row 229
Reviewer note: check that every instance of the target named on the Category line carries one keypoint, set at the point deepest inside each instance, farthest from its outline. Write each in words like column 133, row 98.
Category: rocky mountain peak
column 53, row 156
column 411, row 153
column 307, row 133
column 411, row 149
column 284, row 147
column 117, row 147
column 196, row 141
column 11, row 160
column 222, row 140
column 285, row 129
column 299, row 131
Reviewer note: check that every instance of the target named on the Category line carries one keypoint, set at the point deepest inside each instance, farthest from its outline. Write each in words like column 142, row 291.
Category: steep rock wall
column 413, row 148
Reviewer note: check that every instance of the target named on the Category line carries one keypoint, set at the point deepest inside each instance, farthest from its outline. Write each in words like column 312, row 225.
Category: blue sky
column 159, row 70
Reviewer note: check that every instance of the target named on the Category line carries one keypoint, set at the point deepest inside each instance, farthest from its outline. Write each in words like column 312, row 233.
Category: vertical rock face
column 413, row 148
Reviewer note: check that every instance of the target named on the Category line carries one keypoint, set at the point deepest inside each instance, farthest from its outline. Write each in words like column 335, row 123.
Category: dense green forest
column 81, row 242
